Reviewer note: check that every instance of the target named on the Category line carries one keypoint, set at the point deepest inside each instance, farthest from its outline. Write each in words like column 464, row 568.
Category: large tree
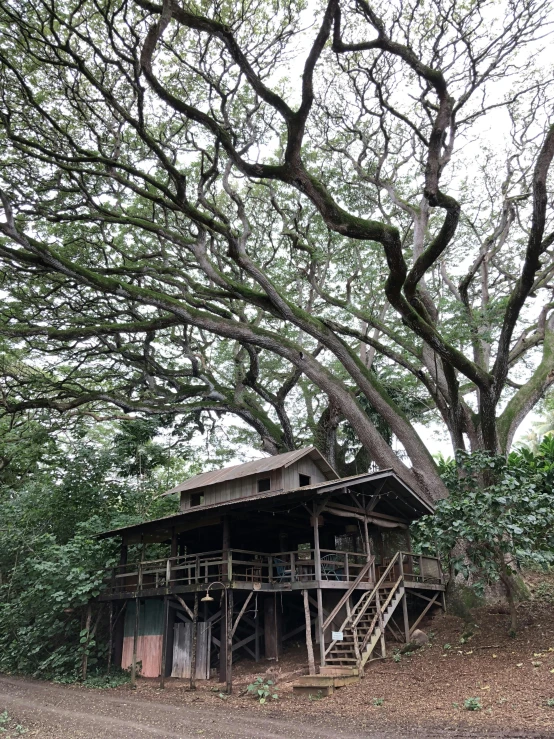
column 223, row 205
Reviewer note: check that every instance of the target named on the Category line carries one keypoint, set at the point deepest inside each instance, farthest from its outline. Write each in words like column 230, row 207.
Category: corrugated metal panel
column 253, row 468
column 150, row 617
column 149, row 654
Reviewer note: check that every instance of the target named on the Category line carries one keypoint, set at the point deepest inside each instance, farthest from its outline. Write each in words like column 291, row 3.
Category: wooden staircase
column 362, row 629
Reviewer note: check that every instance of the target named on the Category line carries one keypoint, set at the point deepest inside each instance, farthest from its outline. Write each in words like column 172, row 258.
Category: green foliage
column 50, row 563
column 473, row 704
column 497, row 509
column 378, row 701
column 262, row 689
column 8, row 727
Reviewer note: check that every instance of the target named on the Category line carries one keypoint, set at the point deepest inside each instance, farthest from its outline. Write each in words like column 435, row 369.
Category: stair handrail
column 383, row 610
column 376, row 588
column 348, row 593
column 367, row 600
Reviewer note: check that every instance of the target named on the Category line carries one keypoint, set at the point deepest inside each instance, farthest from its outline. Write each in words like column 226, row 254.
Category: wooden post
column 406, row 620
column 135, row 644
column 164, row 641
column 309, row 643
column 257, row 632
column 366, row 538
column 320, row 627
column 84, row 664
column 110, row 637
column 225, row 546
column 272, row 627
column 317, row 554
column 223, row 639
column 229, row 636
column 317, row 558
column 194, row 643
column 381, row 624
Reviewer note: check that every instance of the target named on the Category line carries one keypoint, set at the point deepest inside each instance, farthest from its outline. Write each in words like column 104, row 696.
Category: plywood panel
column 182, row 650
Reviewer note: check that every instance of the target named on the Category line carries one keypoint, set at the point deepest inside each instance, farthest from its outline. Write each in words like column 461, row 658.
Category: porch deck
column 261, row 571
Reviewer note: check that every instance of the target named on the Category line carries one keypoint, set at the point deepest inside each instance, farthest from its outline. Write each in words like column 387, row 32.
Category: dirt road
column 54, row 711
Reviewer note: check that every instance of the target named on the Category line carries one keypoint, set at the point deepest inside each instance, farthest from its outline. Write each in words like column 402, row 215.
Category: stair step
column 320, row 681
column 313, row 690
column 339, row 671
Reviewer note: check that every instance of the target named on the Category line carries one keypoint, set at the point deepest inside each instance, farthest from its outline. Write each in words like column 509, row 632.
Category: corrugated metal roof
column 255, row 467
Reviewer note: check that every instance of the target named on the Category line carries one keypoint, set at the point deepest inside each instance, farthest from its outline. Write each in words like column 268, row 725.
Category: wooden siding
column 286, row 478
column 182, row 650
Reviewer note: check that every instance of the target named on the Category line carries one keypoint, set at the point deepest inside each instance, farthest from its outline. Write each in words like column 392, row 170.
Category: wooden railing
column 241, row 565
column 238, row 565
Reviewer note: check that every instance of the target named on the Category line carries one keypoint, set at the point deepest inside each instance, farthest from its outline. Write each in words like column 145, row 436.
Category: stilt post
column 194, row 644
column 317, row 558
column 84, row 663
column 110, row 637
column 135, row 644
column 164, row 641
column 229, row 636
column 309, row 643
column 406, row 620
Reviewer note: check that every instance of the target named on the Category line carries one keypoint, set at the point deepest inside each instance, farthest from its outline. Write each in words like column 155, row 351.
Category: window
column 304, row 480
column 264, row 484
column 196, row 499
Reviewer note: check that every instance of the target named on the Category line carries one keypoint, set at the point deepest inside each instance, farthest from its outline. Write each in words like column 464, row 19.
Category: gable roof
column 256, row 467
column 385, row 484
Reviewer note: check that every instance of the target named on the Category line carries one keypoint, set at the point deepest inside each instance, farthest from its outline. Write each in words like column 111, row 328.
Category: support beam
column 405, row 615
column 84, row 664
column 110, row 637
column 241, row 612
column 165, row 624
column 309, row 644
column 187, row 610
column 229, row 624
column 135, row 644
column 194, row 644
column 223, row 638
column 420, row 617
column 272, row 627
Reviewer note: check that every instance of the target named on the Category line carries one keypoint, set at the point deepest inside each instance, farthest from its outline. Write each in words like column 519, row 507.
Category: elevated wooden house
column 263, row 552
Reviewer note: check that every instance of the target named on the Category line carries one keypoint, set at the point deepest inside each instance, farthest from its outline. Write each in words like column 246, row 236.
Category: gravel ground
column 60, row 712
column 424, row 694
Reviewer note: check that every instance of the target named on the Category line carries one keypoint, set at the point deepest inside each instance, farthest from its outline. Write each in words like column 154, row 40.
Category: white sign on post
column 337, row 635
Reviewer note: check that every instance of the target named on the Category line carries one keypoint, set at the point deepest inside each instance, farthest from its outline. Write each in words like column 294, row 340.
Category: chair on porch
column 330, row 567
column 282, row 569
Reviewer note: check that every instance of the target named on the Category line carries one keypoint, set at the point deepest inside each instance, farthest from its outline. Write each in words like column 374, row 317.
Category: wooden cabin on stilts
column 264, row 552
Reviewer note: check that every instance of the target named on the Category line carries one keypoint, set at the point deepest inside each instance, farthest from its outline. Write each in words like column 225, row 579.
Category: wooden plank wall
column 244, row 487
column 182, row 650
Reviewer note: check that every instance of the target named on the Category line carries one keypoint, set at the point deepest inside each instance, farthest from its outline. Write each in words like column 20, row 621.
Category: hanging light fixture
column 208, row 598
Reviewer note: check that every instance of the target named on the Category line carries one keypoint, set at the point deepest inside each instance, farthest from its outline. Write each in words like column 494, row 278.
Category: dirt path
column 54, row 711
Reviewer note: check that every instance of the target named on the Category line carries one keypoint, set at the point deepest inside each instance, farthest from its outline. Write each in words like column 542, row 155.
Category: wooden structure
column 266, row 551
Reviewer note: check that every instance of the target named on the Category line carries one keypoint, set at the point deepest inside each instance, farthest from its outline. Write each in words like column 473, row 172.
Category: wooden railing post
column 292, row 567
column 168, row 573
column 270, row 568
column 346, row 568
column 381, row 624
column 230, row 565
